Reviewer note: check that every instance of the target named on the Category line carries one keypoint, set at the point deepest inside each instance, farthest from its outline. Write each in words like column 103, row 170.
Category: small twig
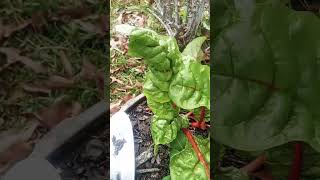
column 141, row 171
column 167, row 27
column 303, row 3
column 176, row 6
column 195, row 19
column 158, row 5
column 144, row 157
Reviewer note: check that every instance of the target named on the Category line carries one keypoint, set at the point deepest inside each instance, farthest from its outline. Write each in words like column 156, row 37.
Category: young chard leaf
column 155, row 91
column 193, row 49
column 163, row 110
column 164, row 131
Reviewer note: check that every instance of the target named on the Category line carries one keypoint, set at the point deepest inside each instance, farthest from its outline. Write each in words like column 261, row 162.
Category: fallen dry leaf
column 104, row 19
column 39, row 20
column 115, row 107
column 34, row 88
column 133, row 18
column 54, row 114
column 138, row 85
column 13, row 56
column 13, row 154
column 6, row 66
column 88, row 71
column 12, row 136
column 114, row 79
column 7, row 30
column 74, row 12
column 76, row 109
column 139, row 69
column 112, row 71
column 15, row 95
column 58, row 82
column 127, row 98
column 35, row 66
column 128, row 87
column 66, row 64
column 120, row 89
column 100, row 82
column 91, row 27
column 130, row 82
column 119, row 42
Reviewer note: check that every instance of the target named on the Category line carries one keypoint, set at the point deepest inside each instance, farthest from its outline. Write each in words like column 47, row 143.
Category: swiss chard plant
column 177, row 88
column 266, row 76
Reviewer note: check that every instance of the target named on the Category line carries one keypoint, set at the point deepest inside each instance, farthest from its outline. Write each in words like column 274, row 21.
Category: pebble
column 94, row 149
column 80, row 171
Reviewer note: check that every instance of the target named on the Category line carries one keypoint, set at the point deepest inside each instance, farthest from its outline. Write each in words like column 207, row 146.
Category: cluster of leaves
column 174, row 82
column 266, row 73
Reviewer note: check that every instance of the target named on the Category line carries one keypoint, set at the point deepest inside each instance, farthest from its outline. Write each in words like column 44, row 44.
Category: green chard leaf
column 184, row 163
column 163, row 110
column 155, row 89
column 193, row 49
column 164, row 131
column 266, row 89
column 190, row 87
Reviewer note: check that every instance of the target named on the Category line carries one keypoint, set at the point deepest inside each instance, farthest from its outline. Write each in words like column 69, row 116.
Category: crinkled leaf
column 184, row 163
column 174, row 54
column 190, row 87
column 193, row 49
column 161, row 53
column 265, row 78
column 151, row 91
column 165, row 131
column 163, row 110
column 161, row 85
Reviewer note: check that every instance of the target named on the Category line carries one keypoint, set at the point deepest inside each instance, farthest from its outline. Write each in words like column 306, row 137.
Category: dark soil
column 141, row 119
column 90, row 160
column 231, row 158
